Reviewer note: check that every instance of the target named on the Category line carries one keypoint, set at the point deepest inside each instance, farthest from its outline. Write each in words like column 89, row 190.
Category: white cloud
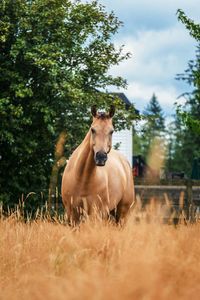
column 143, row 93
column 140, row 94
column 157, row 57
column 161, row 48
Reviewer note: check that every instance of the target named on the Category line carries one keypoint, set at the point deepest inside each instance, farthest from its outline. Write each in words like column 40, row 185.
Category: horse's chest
column 87, row 188
column 95, row 187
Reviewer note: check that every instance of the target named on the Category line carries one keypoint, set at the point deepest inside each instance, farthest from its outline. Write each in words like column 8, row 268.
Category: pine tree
column 156, row 121
column 153, row 127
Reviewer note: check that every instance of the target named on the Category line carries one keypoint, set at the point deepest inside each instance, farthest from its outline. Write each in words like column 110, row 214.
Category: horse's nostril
column 101, row 155
column 100, row 158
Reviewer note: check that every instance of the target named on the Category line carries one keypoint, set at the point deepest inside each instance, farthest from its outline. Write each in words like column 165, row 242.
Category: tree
column 187, row 145
column 182, row 147
column 152, row 128
column 191, row 112
column 55, row 56
column 155, row 114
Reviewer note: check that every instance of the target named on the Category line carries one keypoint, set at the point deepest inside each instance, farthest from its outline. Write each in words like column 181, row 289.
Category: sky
column 160, row 45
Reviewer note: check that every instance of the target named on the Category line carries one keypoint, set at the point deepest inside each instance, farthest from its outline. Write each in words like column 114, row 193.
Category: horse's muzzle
column 100, row 158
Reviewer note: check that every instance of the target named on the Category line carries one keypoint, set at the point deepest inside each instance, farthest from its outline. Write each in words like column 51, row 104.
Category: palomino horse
column 97, row 178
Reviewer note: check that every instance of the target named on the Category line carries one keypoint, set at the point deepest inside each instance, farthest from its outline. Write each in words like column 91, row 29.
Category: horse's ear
column 112, row 111
column 94, row 110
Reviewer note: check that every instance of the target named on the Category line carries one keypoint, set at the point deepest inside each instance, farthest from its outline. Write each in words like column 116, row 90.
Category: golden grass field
column 48, row 260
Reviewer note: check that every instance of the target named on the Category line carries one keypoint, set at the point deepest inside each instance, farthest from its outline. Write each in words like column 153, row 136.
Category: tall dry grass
column 141, row 260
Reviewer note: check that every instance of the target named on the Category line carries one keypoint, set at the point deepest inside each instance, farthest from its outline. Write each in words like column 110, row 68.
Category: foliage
column 153, row 127
column 187, row 131
column 155, row 121
column 183, row 147
column 191, row 112
column 194, row 29
column 55, row 56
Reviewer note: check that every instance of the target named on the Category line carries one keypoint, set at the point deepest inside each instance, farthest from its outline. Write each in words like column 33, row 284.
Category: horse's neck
column 85, row 161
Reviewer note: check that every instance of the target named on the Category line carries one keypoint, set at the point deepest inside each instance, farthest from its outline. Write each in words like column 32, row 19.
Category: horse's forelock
column 102, row 115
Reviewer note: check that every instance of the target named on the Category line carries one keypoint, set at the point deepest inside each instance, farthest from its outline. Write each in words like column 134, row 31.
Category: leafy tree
column 191, row 111
column 182, row 147
column 187, row 145
column 55, row 55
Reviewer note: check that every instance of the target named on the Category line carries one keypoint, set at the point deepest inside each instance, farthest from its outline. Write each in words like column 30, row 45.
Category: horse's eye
column 111, row 132
column 93, row 130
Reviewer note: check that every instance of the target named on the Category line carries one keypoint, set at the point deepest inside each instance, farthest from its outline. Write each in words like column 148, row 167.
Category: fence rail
column 187, row 190
column 190, row 188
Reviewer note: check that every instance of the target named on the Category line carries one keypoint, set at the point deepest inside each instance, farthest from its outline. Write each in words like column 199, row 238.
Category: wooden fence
column 158, row 190
column 189, row 189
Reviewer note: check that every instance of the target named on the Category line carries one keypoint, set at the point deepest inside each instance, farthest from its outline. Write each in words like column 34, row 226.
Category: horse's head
column 101, row 134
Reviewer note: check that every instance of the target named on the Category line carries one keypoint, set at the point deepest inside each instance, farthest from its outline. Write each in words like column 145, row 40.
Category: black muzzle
column 100, row 158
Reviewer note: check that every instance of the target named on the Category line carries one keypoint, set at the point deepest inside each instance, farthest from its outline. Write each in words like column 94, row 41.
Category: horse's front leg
column 122, row 211
column 72, row 213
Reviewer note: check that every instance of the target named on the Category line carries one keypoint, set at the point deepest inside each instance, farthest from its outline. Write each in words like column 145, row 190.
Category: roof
column 124, row 98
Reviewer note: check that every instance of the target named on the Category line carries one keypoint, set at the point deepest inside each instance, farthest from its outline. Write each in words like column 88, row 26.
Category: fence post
column 189, row 201
column 49, row 202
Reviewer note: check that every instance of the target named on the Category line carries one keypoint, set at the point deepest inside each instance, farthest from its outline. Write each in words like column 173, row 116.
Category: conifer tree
column 153, row 127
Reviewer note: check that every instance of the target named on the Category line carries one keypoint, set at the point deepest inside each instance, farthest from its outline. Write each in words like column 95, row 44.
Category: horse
column 97, row 178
